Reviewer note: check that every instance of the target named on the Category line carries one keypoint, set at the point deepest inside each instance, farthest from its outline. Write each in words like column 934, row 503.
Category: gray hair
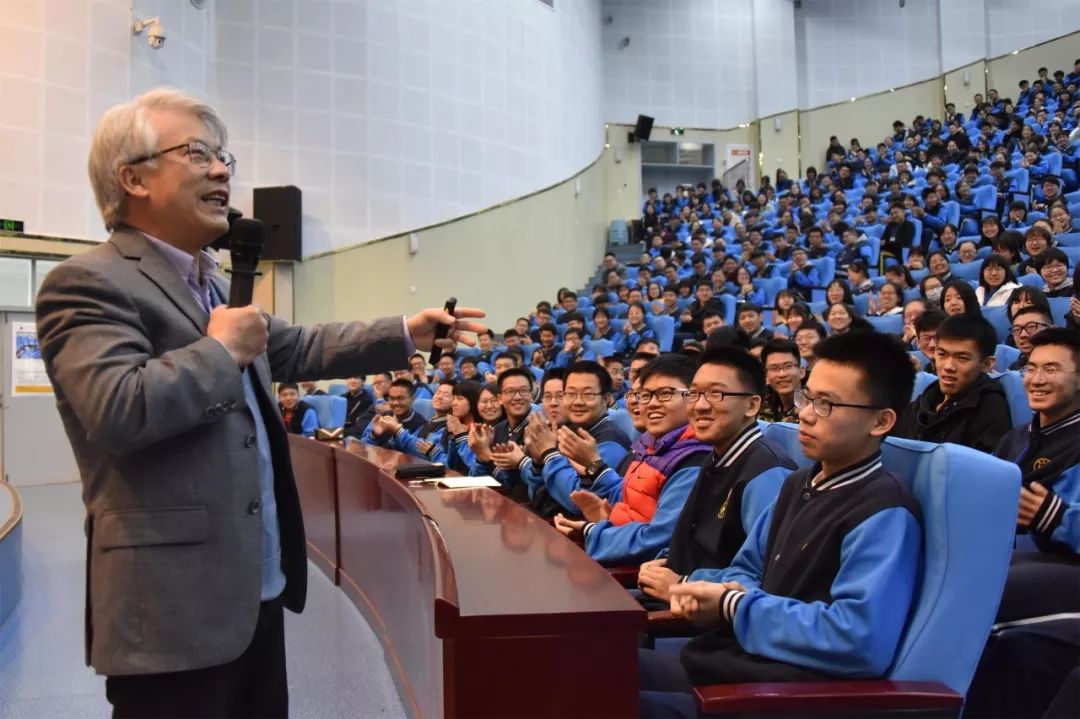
column 125, row 133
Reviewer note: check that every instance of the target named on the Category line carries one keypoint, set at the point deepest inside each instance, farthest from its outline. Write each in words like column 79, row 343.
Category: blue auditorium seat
column 968, row 501
column 728, row 303
column 1031, row 280
column 602, row 348
column 967, row 271
column 1059, row 308
column 1015, row 395
column 330, row 410
column 1071, row 239
column 339, row 390
column 922, row 381
column 664, row 327
column 771, row 286
column 999, row 318
column 889, row 324
column 922, row 359
column 423, row 408
column 623, row 421
column 1005, row 356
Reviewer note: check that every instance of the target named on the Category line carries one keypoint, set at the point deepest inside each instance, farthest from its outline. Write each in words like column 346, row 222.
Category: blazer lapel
column 161, row 272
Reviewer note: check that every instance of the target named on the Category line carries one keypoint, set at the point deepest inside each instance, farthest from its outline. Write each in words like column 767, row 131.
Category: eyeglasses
column 664, row 394
column 584, row 396
column 552, row 396
column 199, row 154
column 523, row 392
column 824, row 407
column 782, row 368
column 1030, row 328
column 1049, row 371
column 712, row 396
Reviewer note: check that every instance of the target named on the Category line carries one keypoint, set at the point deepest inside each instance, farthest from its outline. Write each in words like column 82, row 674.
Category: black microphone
column 245, row 248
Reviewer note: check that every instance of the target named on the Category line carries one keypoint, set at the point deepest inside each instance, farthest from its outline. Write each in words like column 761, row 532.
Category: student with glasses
column 1042, row 583
column 515, row 387
column 574, row 462
column 738, row 482
column 783, row 374
column 665, row 465
column 1027, row 323
column 822, row 587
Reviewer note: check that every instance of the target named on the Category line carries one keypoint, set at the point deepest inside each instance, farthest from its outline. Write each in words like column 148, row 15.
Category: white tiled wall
column 389, row 114
column 1016, row 25
column 688, row 63
column 858, row 47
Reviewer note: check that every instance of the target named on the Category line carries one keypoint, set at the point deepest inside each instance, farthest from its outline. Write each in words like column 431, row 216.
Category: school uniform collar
column 849, row 475
column 1072, row 420
column 741, row 443
column 409, row 418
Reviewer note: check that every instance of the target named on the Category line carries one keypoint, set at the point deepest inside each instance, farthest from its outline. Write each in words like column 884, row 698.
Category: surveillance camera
column 155, row 36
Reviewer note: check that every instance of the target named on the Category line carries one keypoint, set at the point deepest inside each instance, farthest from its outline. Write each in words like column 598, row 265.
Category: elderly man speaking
column 195, row 537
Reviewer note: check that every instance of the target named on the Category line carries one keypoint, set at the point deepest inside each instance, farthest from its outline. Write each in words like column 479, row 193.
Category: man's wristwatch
column 594, row 469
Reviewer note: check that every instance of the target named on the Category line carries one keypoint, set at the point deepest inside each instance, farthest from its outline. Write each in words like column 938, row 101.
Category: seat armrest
column 626, row 576
column 828, row 698
column 663, row 624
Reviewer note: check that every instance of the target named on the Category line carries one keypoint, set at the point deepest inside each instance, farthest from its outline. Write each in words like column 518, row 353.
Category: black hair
column 964, row 327
column 647, row 356
column 572, row 316
column 930, row 320
column 747, row 307
column 569, row 293
column 904, row 272
column 516, row 372
column 711, row 312
column 676, row 366
column 512, row 356
column 778, row 345
column 549, row 327
column 848, row 298
column 600, row 310
column 558, row 373
column 886, row 374
column 470, row 390
column 859, row 265
column 728, row 336
column 574, row 330
column 1049, row 255
column 292, row 386
column 595, row 369
column 1062, row 337
column 967, row 294
column 470, row 360
column 812, row 325
column 995, row 261
column 748, row 368
column 405, row 384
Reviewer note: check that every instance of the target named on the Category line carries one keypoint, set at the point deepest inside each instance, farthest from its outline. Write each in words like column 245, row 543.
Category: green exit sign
column 11, row 225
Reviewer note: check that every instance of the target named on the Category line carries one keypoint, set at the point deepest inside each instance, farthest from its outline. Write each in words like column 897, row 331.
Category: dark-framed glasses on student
column 552, row 396
column 520, row 392
column 712, row 396
column 824, row 407
column 198, row 153
column 782, row 368
column 1029, row 328
column 583, row 396
column 1048, row 371
column 664, row 394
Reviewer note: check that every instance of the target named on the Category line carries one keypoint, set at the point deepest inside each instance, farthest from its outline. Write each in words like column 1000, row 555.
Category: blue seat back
column 966, row 271
column 1059, row 309
column 826, row 267
column 920, row 358
column 786, row 436
column 889, row 324
column 1031, row 279
column 1019, row 409
column 922, row 381
column 664, row 327
column 1004, row 356
column 602, row 348
column 338, row 389
column 728, row 303
column 1071, row 239
column 423, row 408
column 624, row 422
column 1073, row 254
column 968, row 500
column 330, row 409
column 771, row 286
column 862, row 303
column 999, row 318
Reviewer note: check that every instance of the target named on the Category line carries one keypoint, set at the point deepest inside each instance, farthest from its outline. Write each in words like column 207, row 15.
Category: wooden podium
column 482, row 608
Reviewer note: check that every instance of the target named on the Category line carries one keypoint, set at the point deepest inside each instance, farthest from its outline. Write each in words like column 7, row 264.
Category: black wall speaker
column 280, row 211
column 643, row 128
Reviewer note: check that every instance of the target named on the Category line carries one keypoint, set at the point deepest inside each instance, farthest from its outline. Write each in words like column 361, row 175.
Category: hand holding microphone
column 242, row 327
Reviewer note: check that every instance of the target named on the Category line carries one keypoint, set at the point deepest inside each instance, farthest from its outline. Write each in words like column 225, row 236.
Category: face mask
column 934, row 295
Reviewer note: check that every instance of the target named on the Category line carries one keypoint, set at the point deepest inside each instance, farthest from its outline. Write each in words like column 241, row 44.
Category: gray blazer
column 156, row 416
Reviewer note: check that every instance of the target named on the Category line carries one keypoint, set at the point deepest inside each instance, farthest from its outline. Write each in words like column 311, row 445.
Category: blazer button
column 254, row 506
column 249, row 441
